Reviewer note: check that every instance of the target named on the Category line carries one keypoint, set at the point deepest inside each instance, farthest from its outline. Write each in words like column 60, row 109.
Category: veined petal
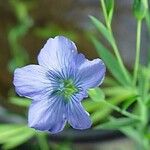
column 57, row 85
column 57, row 53
column 32, row 82
column 77, row 117
column 91, row 73
column 47, row 115
column 80, row 95
column 79, row 59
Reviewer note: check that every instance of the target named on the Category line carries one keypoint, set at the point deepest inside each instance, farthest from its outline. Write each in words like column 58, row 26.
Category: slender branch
column 43, row 143
column 123, row 112
column 137, row 57
column 114, row 45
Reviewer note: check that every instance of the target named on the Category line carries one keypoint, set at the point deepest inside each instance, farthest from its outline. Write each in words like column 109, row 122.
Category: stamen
column 67, row 88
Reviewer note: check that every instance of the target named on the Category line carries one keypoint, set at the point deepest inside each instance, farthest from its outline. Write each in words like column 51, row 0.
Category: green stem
column 104, row 11
column 123, row 112
column 137, row 57
column 120, row 60
column 146, row 89
column 114, row 45
column 43, row 143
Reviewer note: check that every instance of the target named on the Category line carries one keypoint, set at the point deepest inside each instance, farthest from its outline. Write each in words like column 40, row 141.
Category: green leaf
column 24, row 102
column 101, row 114
column 96, row 94
column 117, row 90
column 110, row 81
column 117, row 123
column 10, row 131
column 42, row 140
column 18, row 139
column 143, row 83
column 53, row 30
column 104, row 109
column 103, row 30
column 13, row 135
column 145, row 71
column 132, row 133
column 90, row 105
column 6, row 127
column 129, row 102
column 19, row 55
column 110, row 61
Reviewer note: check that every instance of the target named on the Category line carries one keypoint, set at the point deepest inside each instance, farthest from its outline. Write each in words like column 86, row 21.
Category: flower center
column 67, row 88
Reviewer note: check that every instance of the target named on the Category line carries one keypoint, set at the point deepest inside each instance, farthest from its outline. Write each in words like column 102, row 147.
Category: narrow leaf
column 103, row 30
column 11, row 131
column 129, row 102
column 104, row 110
column 115, row 124
column 24, row 102
column 110, row 61
column 91, row 106
column 132, row 133
column 19, row 139
column 96, row 94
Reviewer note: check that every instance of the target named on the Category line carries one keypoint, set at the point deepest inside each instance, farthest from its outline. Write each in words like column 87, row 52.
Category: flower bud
column 109, row 6
column 139, row 8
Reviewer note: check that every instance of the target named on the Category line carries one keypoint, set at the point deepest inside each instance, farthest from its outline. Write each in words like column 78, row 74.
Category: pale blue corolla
column 57, row 85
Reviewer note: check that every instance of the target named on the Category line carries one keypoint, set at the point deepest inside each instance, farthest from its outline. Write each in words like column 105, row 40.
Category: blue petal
column 77, row 117
column 47, row 115
column 90, row 73
column 57, row 53
column 79, row 59
column 32, row 82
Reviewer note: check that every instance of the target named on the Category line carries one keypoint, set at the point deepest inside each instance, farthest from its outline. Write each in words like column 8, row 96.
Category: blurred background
column 25, row 25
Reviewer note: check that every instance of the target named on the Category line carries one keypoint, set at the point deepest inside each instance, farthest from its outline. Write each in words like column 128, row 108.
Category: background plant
column 132, row 87
column 125, row 91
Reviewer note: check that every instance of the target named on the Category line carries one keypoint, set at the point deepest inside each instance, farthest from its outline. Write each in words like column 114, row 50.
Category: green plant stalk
column 143, row 101
column 144, row 113
column 146, row 89
column 123, row 112
column 114, row 45
column 137, row 57
column 105, row 13
column 42, row 141
column 142, row 128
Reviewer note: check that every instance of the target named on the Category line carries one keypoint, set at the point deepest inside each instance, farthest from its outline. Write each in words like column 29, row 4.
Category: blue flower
column 58, row 85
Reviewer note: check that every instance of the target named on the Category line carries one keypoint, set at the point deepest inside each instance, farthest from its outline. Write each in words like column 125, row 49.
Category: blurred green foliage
column 13, row 135
column 131, row 102
column 132, row 89
column 52, row 30
column 140, row 8
column 19, row 55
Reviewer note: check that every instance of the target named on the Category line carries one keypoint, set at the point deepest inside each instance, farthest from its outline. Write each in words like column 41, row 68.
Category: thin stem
column 104, row 11
column 137, row 57
column 119, row 59
column 123, row 112
column 108, row 23
column 114, row 45
column 42, row 141
column 146, row 87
